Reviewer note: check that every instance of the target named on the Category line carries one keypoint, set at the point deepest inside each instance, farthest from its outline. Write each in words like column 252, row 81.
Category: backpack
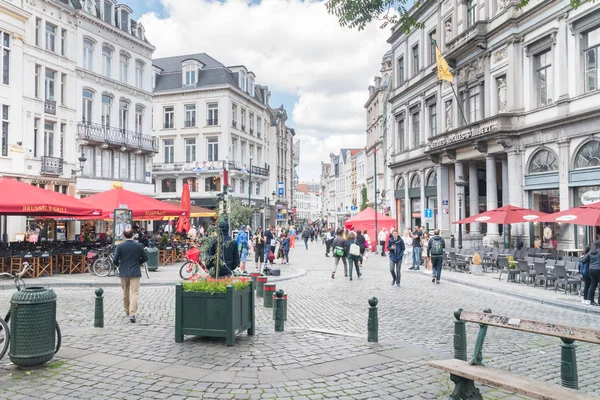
column 584, row 268
column 436, row 247
column 354, row 249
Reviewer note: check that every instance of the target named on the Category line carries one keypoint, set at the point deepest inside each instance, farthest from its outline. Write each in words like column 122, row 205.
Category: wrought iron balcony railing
column 51, row 166
column 117, row 137
column 212, row 121
column 50, row 107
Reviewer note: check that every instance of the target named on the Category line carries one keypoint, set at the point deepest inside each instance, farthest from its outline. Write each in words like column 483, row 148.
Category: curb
column 573, row 307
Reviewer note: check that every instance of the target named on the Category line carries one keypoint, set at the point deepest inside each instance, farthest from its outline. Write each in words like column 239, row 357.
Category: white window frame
column 190, row 149
column 37, row 81
column 49, row 127
column 139, row 74
column 49, row 84
column 243, row 120
column 106, row 111
column 593, row 50
column 168, row 117
column 63, row 42
column 88, row 54
column 189, row 69
column 139, row 119
column 212, row 148
column 258, row 126
column 190, row 115
column 169, row 151
column 251, row 123
column 432, row 113
column 547, row 69
column 234, row 109
column 212, row 114
column 106, row 61
column 50, row 36
column 87, row 97
column 123, row 68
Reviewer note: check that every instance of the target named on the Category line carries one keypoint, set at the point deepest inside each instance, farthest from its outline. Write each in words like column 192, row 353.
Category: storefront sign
column 464, row 134
column 590, row 197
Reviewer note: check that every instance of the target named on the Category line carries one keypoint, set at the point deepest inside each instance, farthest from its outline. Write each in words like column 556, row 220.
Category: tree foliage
column 239, row 215
column 363, row 198
column 359, row 13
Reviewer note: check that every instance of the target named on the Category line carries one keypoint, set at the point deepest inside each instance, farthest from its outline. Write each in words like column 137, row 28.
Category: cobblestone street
column 322, row 354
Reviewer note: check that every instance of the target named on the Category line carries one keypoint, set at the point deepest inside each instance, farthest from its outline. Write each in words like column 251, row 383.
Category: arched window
column 212, row 184
column 88, row 54
column 543, row 161
column 415, row 182
column 400, row 185
column 588, row 156
column 106, row 61
column 432, row 179
column 88, row 99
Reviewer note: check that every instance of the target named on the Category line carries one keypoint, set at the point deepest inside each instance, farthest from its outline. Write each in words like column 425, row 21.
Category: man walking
column 129, row 256
column 382, row 238
column 396, row 250
column 242, row 243
column 417, row 248
column 328, row 242
column 340, row 252
column 435, row 250
column 305, row 236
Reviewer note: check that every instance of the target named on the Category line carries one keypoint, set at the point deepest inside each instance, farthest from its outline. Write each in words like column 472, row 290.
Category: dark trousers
column 595, row 274
column 382, row 244
column 436, row 263
column 396, row 270
column 587, row 282
column 328, row 246
column 306, row 243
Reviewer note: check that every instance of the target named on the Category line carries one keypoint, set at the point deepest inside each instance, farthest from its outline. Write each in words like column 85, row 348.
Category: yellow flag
column 442, row 67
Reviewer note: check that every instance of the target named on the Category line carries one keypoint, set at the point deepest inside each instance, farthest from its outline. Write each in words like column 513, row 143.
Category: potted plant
column 512, row 264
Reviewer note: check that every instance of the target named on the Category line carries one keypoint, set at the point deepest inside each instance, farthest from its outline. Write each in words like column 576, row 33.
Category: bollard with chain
column 99, row 309
column 373, row 323
column 460, row 337
column 278, row 311
column 269, row 291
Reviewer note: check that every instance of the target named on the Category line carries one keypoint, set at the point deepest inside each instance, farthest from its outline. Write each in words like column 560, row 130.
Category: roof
column 344, row 152
column 303, row 187
column 173, row 64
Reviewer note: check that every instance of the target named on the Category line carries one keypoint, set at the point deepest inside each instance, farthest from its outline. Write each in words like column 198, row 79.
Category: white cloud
column 295, row 47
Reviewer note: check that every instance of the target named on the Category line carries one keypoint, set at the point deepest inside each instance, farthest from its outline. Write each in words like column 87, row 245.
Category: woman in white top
column 408, row 240
column 382, row 238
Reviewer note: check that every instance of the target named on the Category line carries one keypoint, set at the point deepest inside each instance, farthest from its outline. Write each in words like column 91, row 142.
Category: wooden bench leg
column 464, row 389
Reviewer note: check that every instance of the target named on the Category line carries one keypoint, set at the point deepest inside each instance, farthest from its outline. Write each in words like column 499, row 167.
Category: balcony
column 234, row 124
column 244, row 128
column 118, row 137
column 50, row 107
column 51, row 166
column 190, row 123
column 256, row 170
column 195, row 167
column 212, row 121
column 471, row 39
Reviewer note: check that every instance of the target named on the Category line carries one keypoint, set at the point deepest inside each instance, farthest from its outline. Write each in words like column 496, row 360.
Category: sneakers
column 418, row 268
column 393, row 282
column 433, row 279
column 333, row 275
column 586, row 302
column 350, row 278
column 132, row 319
column 398, row 285
column 411, row 268
column 438, row 282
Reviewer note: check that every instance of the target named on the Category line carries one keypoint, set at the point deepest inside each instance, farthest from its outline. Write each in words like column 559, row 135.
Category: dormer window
column 124, row 20
column 251, row 87
column 107, row 12
column 189, row 70
column 242, row 82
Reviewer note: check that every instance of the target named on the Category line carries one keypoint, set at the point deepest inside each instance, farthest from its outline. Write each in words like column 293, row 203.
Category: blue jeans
column 286, row 254
column 267, row 251
column 416, row 257
column 306, row 243
column 395, row 270
column 436, row 262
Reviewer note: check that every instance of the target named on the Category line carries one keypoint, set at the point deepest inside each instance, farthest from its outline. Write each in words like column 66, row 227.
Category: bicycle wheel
column 187, row 270
column 58, row 338
column 102, row 266
column 4, row 338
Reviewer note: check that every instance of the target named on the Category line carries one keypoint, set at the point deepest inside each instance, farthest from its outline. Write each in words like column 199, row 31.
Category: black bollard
column 260, row 285
column 99, row 309
column 269, row 291
column 373, row 323
column 278, row 310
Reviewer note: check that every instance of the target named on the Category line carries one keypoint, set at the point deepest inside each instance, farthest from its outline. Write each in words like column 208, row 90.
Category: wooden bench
column 465, row 373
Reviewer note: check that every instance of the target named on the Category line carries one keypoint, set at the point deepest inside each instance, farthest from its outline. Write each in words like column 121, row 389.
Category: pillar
column 407, row 205
column 459, row 173
column 567, row 237
column 423, row 202
column 505, row 187
column 515, row 191
column 443, row 194
column 491, row 192
column 474, row 196
column 514, row 98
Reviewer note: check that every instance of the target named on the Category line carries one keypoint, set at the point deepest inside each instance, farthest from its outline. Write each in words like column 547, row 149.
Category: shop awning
column 504, row 215
column 19, row 198
column 195, row 211
column 583, row 215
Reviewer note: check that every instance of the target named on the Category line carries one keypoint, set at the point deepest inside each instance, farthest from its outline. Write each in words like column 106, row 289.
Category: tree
column 239, row 215
column 363, row 198
column 359, row 13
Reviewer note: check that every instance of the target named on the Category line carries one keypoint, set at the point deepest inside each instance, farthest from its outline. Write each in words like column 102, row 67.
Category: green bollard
column 460, row 337
column 373, row 323
column 260, row 286
column 268, row 295
column 99, row 309
column 568, row 364
column 254, row 276
column 278, row 310
column 284, row 307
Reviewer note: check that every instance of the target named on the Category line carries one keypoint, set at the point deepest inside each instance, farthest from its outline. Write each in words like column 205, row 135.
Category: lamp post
column 250, row 191
column 460, row 187
column 376, row 220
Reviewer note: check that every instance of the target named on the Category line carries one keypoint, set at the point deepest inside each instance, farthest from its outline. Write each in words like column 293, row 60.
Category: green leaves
column 363, row 198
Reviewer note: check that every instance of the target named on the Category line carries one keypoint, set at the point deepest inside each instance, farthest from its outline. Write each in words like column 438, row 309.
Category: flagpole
column 440, row 58
column 462, row 112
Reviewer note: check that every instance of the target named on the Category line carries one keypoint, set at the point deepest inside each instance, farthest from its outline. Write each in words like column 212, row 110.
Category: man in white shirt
column 382, row 238
column 328, row 241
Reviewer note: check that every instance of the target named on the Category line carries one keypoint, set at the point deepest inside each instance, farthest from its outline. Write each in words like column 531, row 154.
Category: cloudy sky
column 317, row 70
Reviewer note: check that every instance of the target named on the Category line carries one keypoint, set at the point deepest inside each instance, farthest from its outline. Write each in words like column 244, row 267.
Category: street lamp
column 461, row 183
column 376, row 220
column 250, row 191
column 82, row 159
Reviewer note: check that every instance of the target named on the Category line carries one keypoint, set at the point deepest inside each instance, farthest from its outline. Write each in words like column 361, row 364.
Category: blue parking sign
column 428, row 213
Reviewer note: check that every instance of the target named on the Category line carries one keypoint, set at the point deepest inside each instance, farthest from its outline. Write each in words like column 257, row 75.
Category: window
column 124, row 25
column 123, row 66
column 415, row 182
column 258, row 126
column 88, row 55
column 190, row 73
column 190, row 150
column 432, row 179
column 401, row 71
column 242, row 82
column 169, row 185
column 49, row 139
column 251, row 122
column 251, row 87
column 107, row 12
column 243, row 153
column 543, row 161
column 432, row 120
column 543, row 78
column 106, row 107
column 140, row 168
column 50, row 37
column 49, row 92
column 89, row 168
column 471, row 11
column 213, row 148
column 588, row 156
column 401, row 140
column 258, row 155
column 190, row 115
column 139, row 119
column 63, row 91
column 212, row 117
column 233, row 148
column 591, row 44
column 474, row 106
column 5, row 54
column 242, row 186
column 38, row 27
column 169, row 150
column 139, row 74
column 123, row 115
column 87, row 106
column 63, row 42
column 415, row 130
column 243, row 120
column 61, row 144
column 234, row 115
column 415, row 52
column 212, row 184
column 106, row 61
column 4, row 148
column 124, row 166
column 432, row 47
column 36, row 89
column 36, row 127
column 169, row 117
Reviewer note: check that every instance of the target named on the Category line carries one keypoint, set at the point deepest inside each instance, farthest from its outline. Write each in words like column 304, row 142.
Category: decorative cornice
column 83, row 15
column 435, row 158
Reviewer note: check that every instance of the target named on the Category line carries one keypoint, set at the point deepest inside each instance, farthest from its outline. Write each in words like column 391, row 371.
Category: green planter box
column 214, row 315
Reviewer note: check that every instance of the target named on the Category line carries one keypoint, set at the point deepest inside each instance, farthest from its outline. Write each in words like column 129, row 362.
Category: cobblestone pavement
column 322, row 354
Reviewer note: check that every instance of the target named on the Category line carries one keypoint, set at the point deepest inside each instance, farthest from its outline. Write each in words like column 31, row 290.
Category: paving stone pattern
column 322, row 354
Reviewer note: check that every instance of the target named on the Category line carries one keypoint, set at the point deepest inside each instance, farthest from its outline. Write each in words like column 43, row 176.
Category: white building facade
column 307, row 202
column 337, row 181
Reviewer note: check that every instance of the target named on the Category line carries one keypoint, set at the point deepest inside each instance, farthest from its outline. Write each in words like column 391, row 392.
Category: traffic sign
column 444, row 202
column 280, row 189
column 353, row 208
column 428, row 213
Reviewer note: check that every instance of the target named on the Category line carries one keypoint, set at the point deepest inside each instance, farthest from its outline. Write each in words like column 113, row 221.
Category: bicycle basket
column 193, row 254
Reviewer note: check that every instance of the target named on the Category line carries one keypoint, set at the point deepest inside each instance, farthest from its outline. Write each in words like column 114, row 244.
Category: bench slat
column 570, row 332
column 511, row 382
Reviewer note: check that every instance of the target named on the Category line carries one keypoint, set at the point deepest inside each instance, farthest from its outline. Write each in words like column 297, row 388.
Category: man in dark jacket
column 129, row 256
column 228, row 253
column 396, row 251
column 435, row 250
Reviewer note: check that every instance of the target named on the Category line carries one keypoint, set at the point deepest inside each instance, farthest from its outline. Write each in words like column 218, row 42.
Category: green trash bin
column 32, row 327
column 152, row 262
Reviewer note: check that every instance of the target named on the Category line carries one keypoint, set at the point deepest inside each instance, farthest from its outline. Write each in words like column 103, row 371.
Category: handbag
column 271, row 256
column 354, row 249
column 338, row 251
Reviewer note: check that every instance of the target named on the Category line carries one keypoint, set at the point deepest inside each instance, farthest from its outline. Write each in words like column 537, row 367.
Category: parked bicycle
column 4, row 328
column 193, row 265
column 105, row 266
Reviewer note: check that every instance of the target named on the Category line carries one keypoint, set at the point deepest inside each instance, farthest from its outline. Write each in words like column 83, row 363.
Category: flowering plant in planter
column 512, row 264
column 198, row 283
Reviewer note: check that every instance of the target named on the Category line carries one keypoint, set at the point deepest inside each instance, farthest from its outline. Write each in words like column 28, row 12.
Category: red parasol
column 142, row 207
column 504, row 215
column 588, row 214
column 20, row 198
column 183, row 224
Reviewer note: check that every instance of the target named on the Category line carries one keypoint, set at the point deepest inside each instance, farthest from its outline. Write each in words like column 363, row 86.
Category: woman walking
column 360, row 241
column 407, row 239
column 424, row 257
column 292, row 235
column 339, row 252
column 259, row 247
column 396, row 251
column 353, row 251
column 584, row 271
column 285, row 247
column 593, row 257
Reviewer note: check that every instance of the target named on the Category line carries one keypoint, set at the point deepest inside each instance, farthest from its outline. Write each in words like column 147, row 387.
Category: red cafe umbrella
column 20, row 198
column 142, row 207
column 588, row 214
column 504, row 215
column 183, row 224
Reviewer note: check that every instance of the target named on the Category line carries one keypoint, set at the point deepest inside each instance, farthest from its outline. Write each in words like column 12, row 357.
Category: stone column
column 567, row 237
column 423, row 203
column 514, row 98
column 491, row 193
column 407, row 206
column 459, row 173
column 515, row 191
column 443, row 193
column 562, row 53
column 505, row 188
column 474, row 196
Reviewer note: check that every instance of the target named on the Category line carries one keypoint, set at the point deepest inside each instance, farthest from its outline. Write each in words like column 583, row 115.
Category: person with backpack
column 339, row 252
column 435, row 250
column 584, row 271
column 305, row 236
column 353, row 251
column 396, row 251
column 593, row 257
